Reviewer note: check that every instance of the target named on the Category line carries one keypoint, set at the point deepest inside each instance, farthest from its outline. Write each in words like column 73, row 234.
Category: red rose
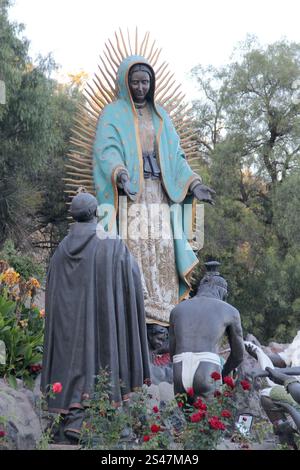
column 226, row 414
column 245, row 384
column 180, row 404
column 217, row 393
column 215, row 376
column 35, row 367
column 196, row 417
column 229, row 381
column 57, row 387
column 155, row 409
column 190, row 392
column 146, row 438
column 2, row 433
column 155, row 428
column 222, row 426
column 200, row 405
column 216, row 424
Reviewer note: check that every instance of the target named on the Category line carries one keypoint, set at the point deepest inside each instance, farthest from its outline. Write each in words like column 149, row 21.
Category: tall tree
column 34, row 131
column 248, row 120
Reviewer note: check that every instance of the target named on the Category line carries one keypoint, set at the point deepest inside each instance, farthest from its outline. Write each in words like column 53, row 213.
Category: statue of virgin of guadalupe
column 137, row 153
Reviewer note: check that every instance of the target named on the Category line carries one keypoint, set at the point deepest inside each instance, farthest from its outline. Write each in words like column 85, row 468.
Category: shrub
column 23, row 264
column 21, row 326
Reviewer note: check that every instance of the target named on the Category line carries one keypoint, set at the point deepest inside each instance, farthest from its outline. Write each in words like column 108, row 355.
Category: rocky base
column 19, row 417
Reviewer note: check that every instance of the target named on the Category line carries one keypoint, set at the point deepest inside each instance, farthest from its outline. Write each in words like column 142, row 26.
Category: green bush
column 187, row 422
column 22, row 263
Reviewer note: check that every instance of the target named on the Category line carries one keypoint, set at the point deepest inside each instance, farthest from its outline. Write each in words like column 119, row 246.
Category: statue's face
column 139, row 84
column 157, row 335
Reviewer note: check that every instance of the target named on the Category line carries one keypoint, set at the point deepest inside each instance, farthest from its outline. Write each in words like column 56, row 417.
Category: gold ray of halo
column 142, row 45
column 105, row 75
column 124, row 44
column 117, row 57
column 144, row 51
column 129, row 43
column 118, row 46
column 151, row 50
column 136, row 41
column 112, row 60
column 108, row 94
column 155, row 58
column 113, row 77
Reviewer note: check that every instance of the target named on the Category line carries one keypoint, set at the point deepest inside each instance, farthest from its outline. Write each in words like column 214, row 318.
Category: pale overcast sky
column 189, row 31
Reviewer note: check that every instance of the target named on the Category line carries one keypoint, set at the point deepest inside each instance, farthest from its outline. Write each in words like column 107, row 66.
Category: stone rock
column 277, row 347
column 22, row 425
column 162, row 393
column 249, row 401
column 39, row 299
column 166, row 392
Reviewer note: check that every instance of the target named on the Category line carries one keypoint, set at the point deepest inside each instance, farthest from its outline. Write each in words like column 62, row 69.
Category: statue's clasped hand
column 124, row 183
column 204, row 193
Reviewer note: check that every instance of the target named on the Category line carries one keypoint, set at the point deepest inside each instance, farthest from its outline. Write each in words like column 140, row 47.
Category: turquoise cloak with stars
column 117, row 146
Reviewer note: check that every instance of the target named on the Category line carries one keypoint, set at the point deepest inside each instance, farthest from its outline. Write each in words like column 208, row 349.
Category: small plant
column 3, row 434
column 261, row 429
column 48, row 433
column 206, row 422
column 104, row 422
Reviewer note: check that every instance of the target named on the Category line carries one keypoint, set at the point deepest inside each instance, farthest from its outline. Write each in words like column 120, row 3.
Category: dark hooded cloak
column 94, row 317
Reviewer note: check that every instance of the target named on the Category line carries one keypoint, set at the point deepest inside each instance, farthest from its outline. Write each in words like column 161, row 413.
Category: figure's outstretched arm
column 289, row 381
column 235, row 338
column 292, row 411
column 202, row 192
column 264, row 359
column 291, row 370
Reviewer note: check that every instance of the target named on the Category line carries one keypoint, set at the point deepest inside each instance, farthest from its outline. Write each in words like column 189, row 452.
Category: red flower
column 35, row 367
column 245, row 446
column 217, row 393
column 216, row 376
column 196, row 417
column 245, row 384
column 155, row 409
column 180, row 404
column 200, row 405
column 57, row 387
column 2, row 433
column 146, row 438
column 155, row 428
column 229, row 381
column 226, row 414
column 190, row 392
column 216, row 424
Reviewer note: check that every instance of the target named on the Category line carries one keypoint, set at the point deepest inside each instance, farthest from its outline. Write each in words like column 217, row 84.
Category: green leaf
column 12, row 381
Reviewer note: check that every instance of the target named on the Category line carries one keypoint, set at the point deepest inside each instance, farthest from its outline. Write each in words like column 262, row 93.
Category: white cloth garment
column 190, row 362
column 291, row 355
column 263, row 360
